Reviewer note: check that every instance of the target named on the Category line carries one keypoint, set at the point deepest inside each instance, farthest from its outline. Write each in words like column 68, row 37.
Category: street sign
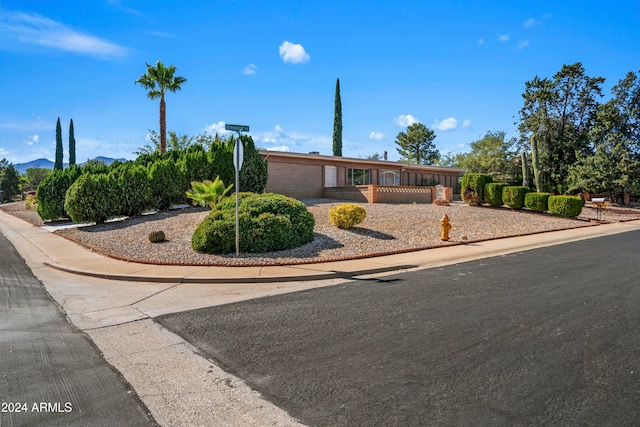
column 236, row 128
column 238, row 157
column 238, row 154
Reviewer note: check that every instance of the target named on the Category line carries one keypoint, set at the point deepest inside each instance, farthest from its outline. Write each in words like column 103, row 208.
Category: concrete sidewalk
column 65, row 255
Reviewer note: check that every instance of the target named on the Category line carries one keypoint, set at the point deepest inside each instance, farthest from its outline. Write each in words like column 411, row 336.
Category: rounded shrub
column 268, row 222
column 493, row 193
column 52, row 190
column 167, row 183
column 513, row 196
column 567, row 206
column 92, row 198
column 133, row 189
column 472, row 187
column 538, row 202
column 347, row 215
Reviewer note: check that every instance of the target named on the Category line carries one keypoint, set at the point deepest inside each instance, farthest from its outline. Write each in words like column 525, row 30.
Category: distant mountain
column 48, row 164
column 38, row 163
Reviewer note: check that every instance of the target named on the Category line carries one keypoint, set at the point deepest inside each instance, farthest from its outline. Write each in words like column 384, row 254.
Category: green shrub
column 92, row 198
column 52, row 190
column 347, row 215
column 253, row 175
column 195, row 166
column 133, row 189
column 268, row 222
column 537, row 202
column 513, row 196
column 567, row 206
column 493, row 193
column 167, row 183
column 472, row 187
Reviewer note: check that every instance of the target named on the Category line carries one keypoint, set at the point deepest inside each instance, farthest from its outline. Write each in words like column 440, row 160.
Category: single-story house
column 315, row 176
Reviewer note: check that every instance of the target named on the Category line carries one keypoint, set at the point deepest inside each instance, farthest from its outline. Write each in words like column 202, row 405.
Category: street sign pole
column 238, row 157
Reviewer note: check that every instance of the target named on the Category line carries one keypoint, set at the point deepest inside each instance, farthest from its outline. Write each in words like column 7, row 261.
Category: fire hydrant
column 446, row 226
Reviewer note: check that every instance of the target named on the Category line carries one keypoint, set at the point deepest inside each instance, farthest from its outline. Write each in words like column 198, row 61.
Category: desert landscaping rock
column 388, row 228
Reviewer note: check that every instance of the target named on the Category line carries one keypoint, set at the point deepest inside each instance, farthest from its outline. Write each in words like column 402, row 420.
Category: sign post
column 238, row 158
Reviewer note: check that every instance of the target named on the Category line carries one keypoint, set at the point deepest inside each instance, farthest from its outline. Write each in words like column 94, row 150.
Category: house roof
column 377, row 163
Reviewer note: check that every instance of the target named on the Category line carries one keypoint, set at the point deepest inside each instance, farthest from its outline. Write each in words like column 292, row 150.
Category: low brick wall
column 386, row 193
column 360, row 193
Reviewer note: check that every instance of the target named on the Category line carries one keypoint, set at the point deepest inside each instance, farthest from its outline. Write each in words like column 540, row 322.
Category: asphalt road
column 544, row 337
column 50, row 372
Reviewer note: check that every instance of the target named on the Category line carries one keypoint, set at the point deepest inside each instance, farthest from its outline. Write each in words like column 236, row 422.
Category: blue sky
column 459, row 67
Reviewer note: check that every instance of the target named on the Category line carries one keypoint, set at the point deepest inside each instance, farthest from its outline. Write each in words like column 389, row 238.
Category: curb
column 239, row 279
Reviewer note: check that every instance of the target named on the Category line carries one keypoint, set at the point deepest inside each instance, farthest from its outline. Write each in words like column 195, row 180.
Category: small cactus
column 156, row 236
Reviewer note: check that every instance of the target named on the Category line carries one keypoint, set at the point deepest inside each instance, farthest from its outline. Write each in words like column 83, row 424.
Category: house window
column 389, row 178
column 358, row 176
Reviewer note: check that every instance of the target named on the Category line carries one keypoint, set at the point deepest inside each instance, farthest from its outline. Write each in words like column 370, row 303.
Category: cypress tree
column 72, row 145
column 337, row 123
column 58, row 164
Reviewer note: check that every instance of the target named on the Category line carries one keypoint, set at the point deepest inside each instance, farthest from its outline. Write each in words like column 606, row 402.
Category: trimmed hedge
column 132, row 188
column 493, row 193
column 51, row 193
column 513, row 196
column 347, row 215
column 538, row 202
column 168, row 185
column 268, row 222
column 567, row 206
column 92, row 198
column 472, row 187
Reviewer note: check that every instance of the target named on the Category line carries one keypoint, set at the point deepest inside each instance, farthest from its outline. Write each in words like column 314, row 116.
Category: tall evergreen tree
column 337, row 123
column 58, row 164
column 72, row 145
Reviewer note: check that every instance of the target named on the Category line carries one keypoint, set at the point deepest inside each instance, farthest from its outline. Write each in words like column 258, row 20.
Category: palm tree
column 158, row 80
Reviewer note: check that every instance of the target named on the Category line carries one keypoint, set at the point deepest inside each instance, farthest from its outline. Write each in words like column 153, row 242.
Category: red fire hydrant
column 446, row 226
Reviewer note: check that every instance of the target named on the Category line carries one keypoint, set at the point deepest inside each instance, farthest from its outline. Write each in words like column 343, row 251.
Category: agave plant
column 208, row 192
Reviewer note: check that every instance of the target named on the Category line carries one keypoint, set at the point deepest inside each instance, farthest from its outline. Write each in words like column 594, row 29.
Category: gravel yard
column 388, row 228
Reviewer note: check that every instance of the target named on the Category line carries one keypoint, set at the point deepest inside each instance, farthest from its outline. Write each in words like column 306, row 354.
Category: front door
column 330, row 176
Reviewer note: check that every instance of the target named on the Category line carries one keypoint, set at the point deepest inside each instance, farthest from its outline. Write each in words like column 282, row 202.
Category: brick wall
column 295, row 181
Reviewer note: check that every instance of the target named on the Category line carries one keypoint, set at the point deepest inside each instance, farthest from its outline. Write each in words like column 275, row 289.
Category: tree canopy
column 416, row 145
column 560, row 113
column 492, row 154
column 158, row 80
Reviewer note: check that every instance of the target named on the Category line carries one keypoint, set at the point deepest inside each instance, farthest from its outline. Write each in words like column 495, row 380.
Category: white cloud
column 376, row 136
column 480, row 42
column 38, row 30
column 217, row 128
column 531, row 22
column 280, row 140
column 32, row 140
column 3, row 152
column 405, row 120
column 250, row 69
column 293, row 53
column 446, row 124
column 466, row 123
column 523, row 43
column 503, row 37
